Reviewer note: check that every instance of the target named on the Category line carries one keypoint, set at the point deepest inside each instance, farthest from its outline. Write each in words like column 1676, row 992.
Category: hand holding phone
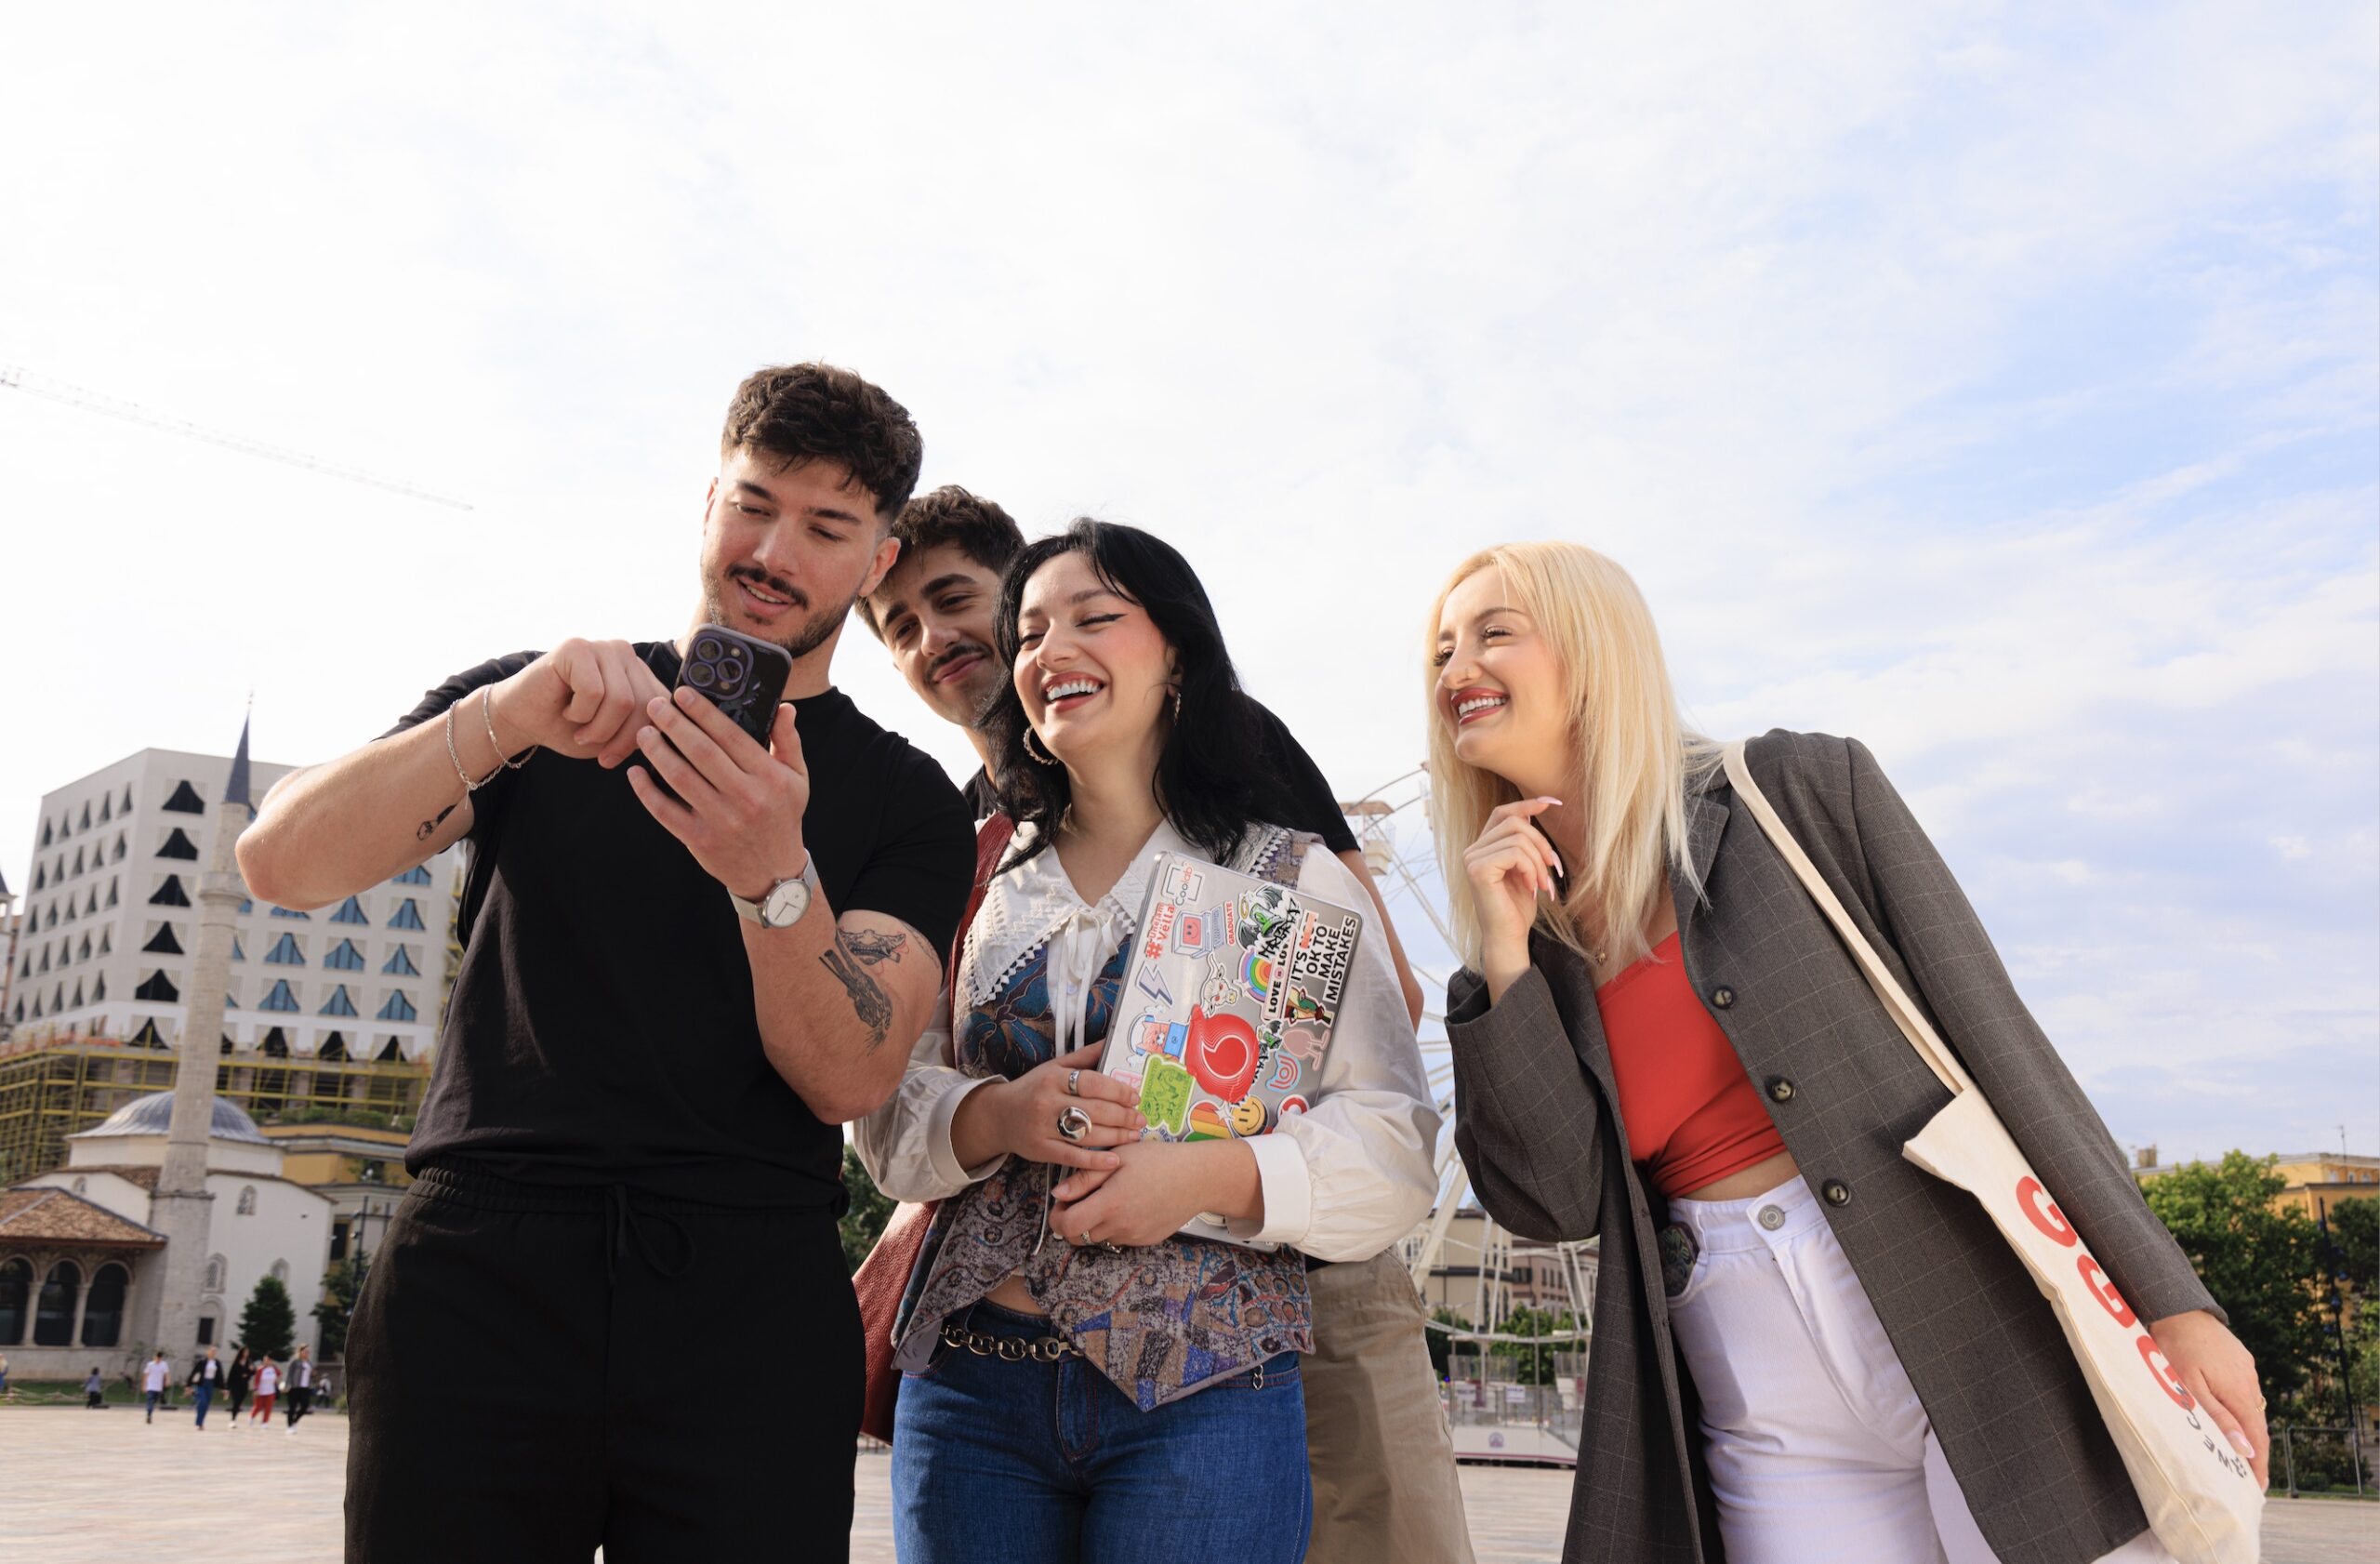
column 742, row 677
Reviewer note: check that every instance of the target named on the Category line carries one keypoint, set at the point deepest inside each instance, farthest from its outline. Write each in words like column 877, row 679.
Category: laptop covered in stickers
column 1227, row 1006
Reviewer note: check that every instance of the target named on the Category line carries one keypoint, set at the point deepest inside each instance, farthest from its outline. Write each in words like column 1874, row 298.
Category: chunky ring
column 1074, row 1123
column 1074, row 1083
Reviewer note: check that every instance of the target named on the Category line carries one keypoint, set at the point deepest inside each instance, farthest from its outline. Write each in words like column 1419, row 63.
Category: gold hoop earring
column 1037, row 755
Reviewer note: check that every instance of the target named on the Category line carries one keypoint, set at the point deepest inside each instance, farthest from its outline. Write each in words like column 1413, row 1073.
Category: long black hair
column 1206, row 781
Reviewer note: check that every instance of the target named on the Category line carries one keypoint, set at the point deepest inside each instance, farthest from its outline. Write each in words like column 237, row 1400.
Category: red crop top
column 1691, row 1113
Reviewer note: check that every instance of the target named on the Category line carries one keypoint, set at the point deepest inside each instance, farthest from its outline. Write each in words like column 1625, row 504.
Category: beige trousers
column 1384, row 1485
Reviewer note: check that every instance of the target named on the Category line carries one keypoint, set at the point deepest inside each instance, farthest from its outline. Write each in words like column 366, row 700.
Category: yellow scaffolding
column 57, row 1087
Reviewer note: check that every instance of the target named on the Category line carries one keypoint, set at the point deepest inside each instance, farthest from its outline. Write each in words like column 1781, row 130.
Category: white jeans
column 1820, row 1449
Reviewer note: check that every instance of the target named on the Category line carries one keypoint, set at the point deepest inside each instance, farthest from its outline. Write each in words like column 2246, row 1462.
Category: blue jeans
column 151, row 1415
column 205, row 1395
column 1000, row 1462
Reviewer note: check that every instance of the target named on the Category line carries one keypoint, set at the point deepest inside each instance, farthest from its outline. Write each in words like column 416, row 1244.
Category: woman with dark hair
column 235, row 1383
column 1083, row 1382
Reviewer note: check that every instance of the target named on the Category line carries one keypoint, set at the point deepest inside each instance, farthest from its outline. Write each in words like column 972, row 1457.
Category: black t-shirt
column 1303, row 797
column 601, row 1027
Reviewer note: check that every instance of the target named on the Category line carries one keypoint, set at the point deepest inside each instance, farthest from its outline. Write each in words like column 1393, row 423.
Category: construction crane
column 15, row 378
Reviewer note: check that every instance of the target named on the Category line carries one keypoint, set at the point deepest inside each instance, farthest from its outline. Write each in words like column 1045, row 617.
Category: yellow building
column 360, row 1167
column 2319, row 1180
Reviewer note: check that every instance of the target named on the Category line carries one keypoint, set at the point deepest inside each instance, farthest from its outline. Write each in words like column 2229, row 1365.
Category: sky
column 1998, row 384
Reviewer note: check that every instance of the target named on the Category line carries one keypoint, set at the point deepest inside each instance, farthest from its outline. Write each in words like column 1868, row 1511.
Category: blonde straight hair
column 1635, row 755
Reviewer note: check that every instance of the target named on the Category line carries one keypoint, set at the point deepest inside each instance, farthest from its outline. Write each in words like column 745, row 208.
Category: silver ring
column 1111, row 1246
column 1074, row 1083
column 1074, row 1123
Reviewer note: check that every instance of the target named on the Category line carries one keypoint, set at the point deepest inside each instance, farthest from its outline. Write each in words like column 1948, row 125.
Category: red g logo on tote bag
column 2042, row 1213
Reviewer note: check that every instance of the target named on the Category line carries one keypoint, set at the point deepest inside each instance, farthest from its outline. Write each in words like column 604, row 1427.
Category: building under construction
column 54, row 1088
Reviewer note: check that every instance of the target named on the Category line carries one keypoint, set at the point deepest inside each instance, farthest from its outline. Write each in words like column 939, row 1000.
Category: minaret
column 182, row 1208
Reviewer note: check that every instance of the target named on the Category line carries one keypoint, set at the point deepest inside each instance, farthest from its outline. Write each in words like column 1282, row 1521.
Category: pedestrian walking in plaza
column 268, row 1381
column 691, row 949
column 1659, row 1039
column 95, row 1391
column 302, row 1387
column 153, row 1376
column 1055, row 1293
column 5, row 1394
column 206, row 1377
column 236, row 1377
column 1377, row 1448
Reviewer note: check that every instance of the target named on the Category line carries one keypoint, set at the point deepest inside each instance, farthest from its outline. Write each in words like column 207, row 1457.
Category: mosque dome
column 153, row 1115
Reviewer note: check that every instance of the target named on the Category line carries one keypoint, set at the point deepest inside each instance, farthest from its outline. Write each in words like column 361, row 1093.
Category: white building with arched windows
column 80, row 1264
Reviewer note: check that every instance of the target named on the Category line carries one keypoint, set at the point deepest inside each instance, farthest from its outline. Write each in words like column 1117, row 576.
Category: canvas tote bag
column 2202, row 1500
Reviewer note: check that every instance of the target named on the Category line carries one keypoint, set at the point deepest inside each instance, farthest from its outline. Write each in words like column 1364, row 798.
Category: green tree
column 343, row 1285
column 2355, row 1232
column 871, row 1209
column 1440, row 1344
column 268, row 1324
column 2260, row 1264
column 1534, row 1363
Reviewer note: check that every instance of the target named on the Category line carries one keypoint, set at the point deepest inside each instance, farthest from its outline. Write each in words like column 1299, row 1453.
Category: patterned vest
column 1161, row 1321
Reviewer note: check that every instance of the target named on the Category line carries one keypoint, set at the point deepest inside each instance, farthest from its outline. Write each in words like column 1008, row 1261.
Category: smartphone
column 742, row 677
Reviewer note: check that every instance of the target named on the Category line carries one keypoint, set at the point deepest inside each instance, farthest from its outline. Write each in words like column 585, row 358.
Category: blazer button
column 1780, row 1089
column 1837, row 1193
column 1722, row 997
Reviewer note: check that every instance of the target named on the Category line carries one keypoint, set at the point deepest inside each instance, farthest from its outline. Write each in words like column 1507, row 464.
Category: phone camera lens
column 706, row 649
column 700, row 675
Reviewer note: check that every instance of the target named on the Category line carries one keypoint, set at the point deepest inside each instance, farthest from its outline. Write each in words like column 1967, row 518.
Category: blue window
column 351, row 911
column 401, row 962
column 237, row 954
column 345, row 957
column 285, row 953
column 408, row 916
column 280, row 998
column 285, row 912
column 418, row 875
column 398, row 1008
column 338, row 1003
column 246, row 906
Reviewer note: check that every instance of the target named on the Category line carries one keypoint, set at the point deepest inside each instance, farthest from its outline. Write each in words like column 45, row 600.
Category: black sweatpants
column 535, row 1372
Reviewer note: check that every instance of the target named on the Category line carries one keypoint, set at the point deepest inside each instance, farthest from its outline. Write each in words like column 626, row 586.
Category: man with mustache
column 668, row 998
column 1384, row 1485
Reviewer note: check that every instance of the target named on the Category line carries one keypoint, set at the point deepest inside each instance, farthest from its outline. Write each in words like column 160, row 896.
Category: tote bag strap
column 1911, row 1021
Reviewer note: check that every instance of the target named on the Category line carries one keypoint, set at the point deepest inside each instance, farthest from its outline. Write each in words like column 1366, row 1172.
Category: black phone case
column 742, row 677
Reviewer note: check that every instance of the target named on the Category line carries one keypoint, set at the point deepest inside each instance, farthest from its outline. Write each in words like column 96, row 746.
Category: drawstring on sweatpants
column 625, row 1225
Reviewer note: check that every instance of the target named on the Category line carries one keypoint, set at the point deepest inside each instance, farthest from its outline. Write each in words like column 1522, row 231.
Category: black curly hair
column 816, row 411
column 1206, row 782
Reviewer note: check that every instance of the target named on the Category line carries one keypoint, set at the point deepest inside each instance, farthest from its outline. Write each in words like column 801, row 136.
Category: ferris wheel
column 1392, row 826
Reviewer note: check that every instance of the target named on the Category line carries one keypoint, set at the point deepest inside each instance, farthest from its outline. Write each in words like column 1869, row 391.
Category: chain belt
column 1009, row 1349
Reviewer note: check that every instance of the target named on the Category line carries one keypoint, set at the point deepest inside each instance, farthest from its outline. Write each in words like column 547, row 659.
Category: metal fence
column 2321, row 1461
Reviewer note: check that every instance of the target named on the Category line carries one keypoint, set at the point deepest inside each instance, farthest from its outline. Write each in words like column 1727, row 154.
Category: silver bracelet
column 470, row 787
column 486, row 717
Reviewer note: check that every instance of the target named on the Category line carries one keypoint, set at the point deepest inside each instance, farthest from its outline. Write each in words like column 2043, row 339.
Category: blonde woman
column 1658, row 1040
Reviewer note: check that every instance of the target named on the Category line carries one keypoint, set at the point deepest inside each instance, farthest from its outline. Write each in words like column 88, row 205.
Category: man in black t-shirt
column 668, row 998
column 934, row 611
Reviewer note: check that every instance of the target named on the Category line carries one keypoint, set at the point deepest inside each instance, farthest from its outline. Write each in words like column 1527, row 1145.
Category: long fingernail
column 1543, row 799
column 2240, row 1442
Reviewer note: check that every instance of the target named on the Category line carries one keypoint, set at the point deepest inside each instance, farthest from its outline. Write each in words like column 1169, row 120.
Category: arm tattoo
column 872, row 946
column 873, row 1006
column 422, row 831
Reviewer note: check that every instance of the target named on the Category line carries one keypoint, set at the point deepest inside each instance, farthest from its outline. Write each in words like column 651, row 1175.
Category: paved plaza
column 103, row 1488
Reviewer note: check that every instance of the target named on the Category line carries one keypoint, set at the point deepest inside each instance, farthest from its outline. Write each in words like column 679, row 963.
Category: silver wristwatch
column 787, row 900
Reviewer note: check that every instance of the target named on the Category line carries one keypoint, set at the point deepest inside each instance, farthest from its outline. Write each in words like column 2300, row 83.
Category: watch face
column 786, row 904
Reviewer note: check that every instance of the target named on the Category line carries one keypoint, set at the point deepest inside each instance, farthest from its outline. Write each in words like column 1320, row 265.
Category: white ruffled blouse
column 1343, row 1181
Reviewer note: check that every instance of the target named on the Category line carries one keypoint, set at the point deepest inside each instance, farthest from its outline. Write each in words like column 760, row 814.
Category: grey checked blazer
column 1537, row 1122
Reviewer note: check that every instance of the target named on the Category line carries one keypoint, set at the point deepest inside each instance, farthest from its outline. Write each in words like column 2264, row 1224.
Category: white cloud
column 2002, row 391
